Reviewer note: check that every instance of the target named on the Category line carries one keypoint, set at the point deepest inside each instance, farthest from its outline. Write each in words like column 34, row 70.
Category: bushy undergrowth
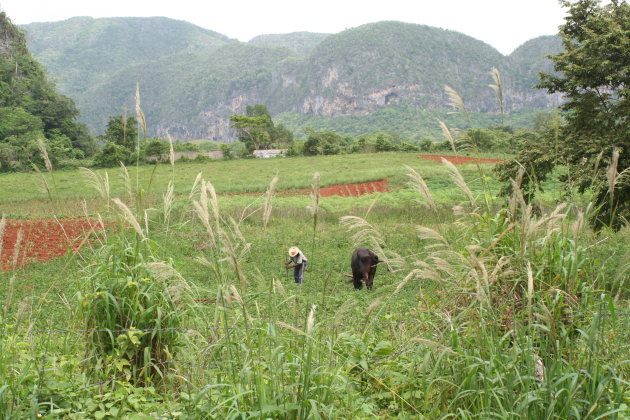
column 132, row 307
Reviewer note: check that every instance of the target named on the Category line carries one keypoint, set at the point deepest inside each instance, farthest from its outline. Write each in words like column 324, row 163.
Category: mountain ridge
column 353, row 72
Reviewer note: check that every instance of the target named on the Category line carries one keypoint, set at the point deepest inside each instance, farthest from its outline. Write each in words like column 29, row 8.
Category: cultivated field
column 181, row 307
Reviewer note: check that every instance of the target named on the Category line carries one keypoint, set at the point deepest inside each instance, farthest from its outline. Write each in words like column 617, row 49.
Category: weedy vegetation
column 182, row 309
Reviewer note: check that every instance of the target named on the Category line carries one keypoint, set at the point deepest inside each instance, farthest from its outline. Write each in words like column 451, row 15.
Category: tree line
column 589, row 136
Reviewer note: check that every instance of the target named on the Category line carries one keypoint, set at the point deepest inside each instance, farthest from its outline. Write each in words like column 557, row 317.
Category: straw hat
column 293, row 251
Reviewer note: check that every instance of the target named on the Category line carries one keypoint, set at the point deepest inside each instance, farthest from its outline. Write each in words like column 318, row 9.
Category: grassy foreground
column 483, row 309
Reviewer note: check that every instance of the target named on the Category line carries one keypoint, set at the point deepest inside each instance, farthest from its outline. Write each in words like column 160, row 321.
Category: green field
column 482, row 309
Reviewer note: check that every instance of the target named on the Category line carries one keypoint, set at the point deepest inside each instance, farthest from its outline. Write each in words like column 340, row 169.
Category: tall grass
column 314, row 207
column 486, row 313
column 131, row 306
column 268, row 198
column 517, row 334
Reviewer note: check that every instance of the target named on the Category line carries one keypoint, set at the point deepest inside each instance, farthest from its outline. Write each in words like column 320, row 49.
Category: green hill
column 528, row 60
column 83, row 51
column 192, row 80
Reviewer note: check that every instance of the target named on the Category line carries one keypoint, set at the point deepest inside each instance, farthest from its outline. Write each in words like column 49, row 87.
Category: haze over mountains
column 193, row 79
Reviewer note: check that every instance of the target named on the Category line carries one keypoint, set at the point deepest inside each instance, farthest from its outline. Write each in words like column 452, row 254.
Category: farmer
column 299, row 264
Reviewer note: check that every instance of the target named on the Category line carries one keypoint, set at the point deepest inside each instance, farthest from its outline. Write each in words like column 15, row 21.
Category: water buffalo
column 363, row 264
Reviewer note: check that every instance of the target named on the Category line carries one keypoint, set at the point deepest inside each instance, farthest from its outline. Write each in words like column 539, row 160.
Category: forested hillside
column 33, row 116
column 83, row 51
column 192, row 80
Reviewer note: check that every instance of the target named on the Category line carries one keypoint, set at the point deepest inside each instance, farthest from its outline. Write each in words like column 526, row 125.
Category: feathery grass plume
column 458, row 179
column 310, row 321
column 498, row 88
column 203, row 200
column 278, row 287
column 202, row 214
column 17, row 248
column 178, row 286
column 268, row 198
column 99, row 183
column 195, row 187
column 447, row 133
column 366, row 234
column 443, row 265
column 479, row 272
column 371, row 308
column 230, row 250
column 290, row 327
column 613, row 178
column 26, row 305
column 418, row 184
column 539, row 371
column 516, row 198
column 141, row 120
column 129, row 217
column 611, row 173
column 555, row 214
column 14, row 262
column 530, row 287
column 455, row 101
column 45, row 186
column 214, row 202
column 427, row 233
column 167, row 203
column 315, row 196
column 578, row 224
column 3, row 223
column 371, row 206
column 44, row 154
column 124, row 173
column 171, row 151
column 404, row 281
column 364, row 231
column 314, row 208
column 598, row 160
column 171, row 156
column 241, row 242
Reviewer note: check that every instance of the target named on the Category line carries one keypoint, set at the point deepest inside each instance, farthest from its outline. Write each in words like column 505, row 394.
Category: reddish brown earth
column 459, row 160
column 43, row 239
column 344, row 190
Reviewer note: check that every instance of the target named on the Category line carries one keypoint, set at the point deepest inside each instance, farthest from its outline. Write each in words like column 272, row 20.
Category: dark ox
column 363, row 264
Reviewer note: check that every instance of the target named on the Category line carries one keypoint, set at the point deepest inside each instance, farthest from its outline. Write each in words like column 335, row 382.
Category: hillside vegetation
column 356, row 72
column 33, row 116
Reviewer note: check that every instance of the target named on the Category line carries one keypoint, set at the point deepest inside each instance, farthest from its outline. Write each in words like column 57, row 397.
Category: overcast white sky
column 504, row 24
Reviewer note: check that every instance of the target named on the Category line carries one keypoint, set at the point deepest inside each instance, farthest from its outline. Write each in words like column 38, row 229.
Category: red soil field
column 344, row 190
column 459, row 160
column 43, row 239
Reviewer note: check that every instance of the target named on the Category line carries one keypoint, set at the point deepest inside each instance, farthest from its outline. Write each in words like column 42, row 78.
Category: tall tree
column 593, row 76
column 256, row 129
column 123, row 131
